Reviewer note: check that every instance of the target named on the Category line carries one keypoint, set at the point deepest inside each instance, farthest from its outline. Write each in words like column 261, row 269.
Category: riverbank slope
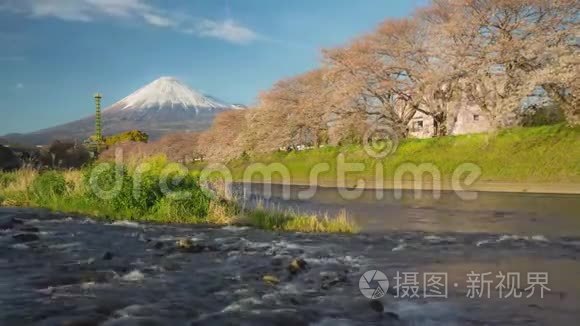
column 537, row 159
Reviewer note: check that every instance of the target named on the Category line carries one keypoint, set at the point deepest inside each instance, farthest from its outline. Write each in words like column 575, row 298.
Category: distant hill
column 164, row 106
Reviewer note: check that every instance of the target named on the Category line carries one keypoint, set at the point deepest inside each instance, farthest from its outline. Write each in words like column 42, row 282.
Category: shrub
column 181, row 210
column 155, row 189
column 109, row 186
column 128, row 136
column 47, row 188
column 542, row 115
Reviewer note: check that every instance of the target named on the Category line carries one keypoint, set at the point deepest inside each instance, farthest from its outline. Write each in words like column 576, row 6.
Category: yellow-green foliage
column 289, row 221
column 132, row 135
column 74, row 182
column 14, row 186
column 222, row 214
column 141, row 192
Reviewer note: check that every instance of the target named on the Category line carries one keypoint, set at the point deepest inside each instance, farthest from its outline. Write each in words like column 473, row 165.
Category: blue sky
column 55, row 54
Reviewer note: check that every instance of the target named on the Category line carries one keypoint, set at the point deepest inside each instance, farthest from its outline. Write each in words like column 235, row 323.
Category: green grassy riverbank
column 520, row 159
column 127, row 195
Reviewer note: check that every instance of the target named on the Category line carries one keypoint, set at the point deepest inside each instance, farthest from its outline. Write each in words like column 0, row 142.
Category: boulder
column 296, row 266
column 186, row 245
column 271, row 279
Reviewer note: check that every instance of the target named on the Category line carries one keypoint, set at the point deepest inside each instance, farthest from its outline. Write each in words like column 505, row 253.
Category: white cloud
column 227, row 30
column 77, row 10
column 139, row 10
column 159, row 21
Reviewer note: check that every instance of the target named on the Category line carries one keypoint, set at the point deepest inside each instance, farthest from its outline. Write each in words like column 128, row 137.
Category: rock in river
column 30, row 229
column 186, row 245
column 331, row 279
column 296, row 266
column 25, row 237
column 377, row 306
column 271, row 279
column 9, row 223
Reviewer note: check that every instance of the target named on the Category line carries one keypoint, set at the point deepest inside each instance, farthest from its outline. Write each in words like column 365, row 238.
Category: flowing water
column 62, row 270
column 493, row 212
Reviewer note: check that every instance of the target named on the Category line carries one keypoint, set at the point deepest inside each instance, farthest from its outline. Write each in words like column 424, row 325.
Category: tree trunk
column 440, row 124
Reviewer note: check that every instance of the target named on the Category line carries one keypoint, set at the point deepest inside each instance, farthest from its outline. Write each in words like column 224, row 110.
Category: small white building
column 468, row 120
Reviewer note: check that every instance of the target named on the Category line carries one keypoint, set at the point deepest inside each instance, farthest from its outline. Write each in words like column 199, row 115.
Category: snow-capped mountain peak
column 168, row 92
column 164, row 106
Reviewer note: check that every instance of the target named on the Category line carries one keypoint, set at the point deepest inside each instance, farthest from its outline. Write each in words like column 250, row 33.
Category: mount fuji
column 163, row 106
column 167, row 93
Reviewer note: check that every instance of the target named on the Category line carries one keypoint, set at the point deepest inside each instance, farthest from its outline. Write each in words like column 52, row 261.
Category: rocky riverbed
column 61, row 270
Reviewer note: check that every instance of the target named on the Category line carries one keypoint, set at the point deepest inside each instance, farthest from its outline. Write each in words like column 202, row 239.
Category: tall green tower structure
column 98, row 138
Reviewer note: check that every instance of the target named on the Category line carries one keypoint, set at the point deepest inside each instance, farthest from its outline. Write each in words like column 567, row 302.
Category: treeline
column 492, row 54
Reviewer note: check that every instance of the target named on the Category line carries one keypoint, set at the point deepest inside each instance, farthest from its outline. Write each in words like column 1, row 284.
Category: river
column 57, row 269
column 493, row 212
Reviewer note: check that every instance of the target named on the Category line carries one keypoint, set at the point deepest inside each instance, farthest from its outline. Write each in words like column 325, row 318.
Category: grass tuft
column 289, row 221
column 14, row 187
